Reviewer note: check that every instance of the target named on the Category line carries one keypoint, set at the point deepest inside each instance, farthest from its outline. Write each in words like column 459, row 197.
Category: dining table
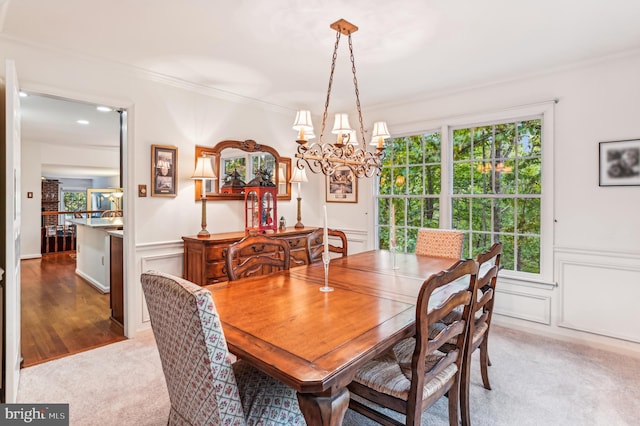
column 315, row 341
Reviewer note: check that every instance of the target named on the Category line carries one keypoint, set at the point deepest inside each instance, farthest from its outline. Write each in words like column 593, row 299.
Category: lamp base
column 299, row 225
column 203, row 232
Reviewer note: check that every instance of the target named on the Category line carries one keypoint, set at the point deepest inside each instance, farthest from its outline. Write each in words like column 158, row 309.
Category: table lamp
column 204, row 171
column 298, row 177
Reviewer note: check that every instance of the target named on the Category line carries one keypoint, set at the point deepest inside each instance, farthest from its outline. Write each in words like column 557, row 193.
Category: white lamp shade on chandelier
column 341, row 124
column 303, row 125
column 380, row 133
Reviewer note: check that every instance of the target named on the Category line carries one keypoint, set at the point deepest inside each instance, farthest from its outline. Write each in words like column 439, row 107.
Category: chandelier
column 345, row 152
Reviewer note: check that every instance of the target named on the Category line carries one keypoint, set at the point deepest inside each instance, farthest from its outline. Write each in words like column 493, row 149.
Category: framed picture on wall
column 342, row 186
column 620, row 163
column 164, row 167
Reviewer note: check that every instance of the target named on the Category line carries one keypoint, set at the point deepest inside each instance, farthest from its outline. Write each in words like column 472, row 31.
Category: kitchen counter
column 93, row 249
column 99, row 222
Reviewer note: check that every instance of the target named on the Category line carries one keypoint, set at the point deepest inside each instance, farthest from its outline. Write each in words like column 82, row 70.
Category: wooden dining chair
column 439, row 243
column 415, row 373
column 482, row 312
column 257, row 255
column 315, row 244
column 204, row 386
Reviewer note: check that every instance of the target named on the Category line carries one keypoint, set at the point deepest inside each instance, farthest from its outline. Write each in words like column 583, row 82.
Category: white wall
column 31, row 220
column 166, row 113
column 34, row 155
column 597, row 231
column 598, row 102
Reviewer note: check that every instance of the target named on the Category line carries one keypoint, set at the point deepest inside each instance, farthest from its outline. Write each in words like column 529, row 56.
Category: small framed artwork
column 342, row 186
column 620, row 163
column 164, row 169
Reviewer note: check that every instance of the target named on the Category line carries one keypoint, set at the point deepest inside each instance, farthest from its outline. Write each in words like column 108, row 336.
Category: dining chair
column 486, row 261
column 482, row 312
column 315, row 244
column 204, row 386
column 439, row 243
column 415, row 373
column 256, row 254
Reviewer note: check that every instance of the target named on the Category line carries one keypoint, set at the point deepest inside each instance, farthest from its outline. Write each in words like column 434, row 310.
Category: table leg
column 324, row 410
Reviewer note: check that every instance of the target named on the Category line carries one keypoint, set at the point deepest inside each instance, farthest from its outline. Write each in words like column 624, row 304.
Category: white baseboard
column 99, row 286
column 595, row 341
column 31, row 256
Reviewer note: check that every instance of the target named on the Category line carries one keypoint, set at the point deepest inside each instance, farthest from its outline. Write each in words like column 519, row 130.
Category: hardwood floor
column 62, row 314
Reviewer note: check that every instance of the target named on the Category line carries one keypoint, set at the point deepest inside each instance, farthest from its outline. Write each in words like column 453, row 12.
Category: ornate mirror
column 235, row 163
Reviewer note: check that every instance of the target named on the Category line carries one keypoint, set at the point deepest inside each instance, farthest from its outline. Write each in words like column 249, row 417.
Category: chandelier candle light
column 327, row 157
column 204, row 171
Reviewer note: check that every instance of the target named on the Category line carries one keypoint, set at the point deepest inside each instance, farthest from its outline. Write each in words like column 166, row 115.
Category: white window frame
column 543, row 110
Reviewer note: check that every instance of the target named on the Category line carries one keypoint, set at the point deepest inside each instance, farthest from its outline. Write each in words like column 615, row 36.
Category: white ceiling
column 279, row 51
column 54, row 121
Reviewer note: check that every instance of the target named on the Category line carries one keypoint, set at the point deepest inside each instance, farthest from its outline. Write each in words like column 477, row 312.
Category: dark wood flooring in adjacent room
column 62, row 314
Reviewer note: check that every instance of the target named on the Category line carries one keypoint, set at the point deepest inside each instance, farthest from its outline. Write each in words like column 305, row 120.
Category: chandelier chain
column 327, row 158
column 355, row 84
column 333, row 67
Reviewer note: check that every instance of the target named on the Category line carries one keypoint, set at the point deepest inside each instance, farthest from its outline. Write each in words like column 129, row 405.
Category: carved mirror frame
column 213, row 187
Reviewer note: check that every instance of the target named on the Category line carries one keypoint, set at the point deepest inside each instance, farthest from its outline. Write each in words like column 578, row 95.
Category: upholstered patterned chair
column 204, row 387
column 257, row 255
column 415, row 373
column 315, row 244
column 439, row 243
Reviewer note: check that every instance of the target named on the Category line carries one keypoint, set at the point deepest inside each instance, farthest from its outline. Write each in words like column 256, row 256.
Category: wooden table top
column 315, row 341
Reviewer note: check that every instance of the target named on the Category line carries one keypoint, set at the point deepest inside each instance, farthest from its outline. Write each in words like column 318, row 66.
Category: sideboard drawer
column 215, row 252
column 204, row 258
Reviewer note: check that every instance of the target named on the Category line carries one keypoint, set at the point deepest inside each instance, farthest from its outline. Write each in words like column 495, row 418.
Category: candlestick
column 392, row 235
column 326, row 232
column 392, row 227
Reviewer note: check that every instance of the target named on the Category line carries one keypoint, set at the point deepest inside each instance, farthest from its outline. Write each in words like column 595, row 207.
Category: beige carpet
column 536, row 381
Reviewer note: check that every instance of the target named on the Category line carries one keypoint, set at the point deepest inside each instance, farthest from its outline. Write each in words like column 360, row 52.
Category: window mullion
column 446, row 176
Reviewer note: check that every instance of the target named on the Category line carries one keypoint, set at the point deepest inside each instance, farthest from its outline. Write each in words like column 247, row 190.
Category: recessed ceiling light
column 83, row 122
column 103, row 108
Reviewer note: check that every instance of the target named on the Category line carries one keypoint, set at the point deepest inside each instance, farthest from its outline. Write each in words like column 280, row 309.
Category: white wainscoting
column 522, row 305
column 599, row 292
column 357, row 240
column 164, row 257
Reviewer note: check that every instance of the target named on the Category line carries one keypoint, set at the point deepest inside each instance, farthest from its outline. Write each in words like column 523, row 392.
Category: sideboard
column 204, row 258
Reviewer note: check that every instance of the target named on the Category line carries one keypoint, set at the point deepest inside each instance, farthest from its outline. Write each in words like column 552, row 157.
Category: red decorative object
column 260, row 208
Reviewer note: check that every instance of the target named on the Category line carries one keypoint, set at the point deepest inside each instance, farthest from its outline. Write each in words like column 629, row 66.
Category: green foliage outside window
column 410, row 178
column 75, row 201
column 495, row 196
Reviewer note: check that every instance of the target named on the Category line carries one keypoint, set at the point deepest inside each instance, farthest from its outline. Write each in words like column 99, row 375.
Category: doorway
column 79, row 146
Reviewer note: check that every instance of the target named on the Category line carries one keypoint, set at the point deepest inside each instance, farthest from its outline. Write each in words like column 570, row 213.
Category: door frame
column 127, row 156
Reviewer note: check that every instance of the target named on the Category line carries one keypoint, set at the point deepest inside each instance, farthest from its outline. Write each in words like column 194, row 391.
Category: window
column 411, row 180
column 74, row 201
column 487, row 180
column 497, row 175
